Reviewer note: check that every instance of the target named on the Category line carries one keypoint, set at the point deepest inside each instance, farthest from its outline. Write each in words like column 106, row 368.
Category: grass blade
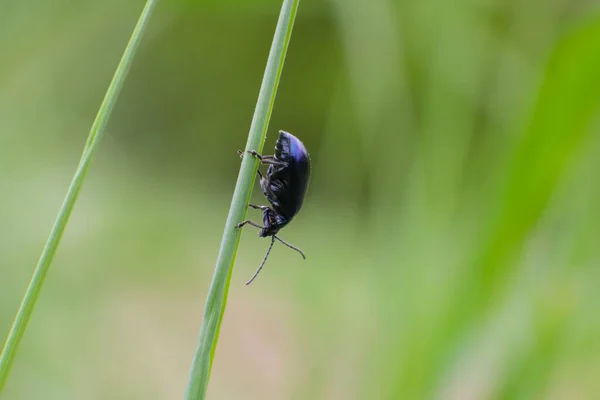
column 217, row 295
column 32, row 293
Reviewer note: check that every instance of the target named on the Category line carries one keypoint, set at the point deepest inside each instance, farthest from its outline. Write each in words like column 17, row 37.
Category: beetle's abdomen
column 288, row 188
column 287, row 184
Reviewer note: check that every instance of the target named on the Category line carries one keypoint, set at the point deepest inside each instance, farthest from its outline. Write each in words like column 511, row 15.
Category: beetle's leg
column 241, row 154
column 265, row 159
column 271, row 160
column 248, row 222
column 264, row 208
column 254, row 154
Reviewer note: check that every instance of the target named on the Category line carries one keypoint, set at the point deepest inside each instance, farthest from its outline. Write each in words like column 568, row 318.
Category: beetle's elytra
column 284, row 187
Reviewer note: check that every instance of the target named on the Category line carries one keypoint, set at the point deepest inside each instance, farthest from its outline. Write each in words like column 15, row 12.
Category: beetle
column 284, row 187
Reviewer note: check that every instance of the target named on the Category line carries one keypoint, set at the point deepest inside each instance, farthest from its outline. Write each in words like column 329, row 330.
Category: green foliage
column 450, row 227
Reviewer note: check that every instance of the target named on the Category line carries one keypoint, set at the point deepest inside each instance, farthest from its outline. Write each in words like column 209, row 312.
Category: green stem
column 217, row 294
column 23, row 316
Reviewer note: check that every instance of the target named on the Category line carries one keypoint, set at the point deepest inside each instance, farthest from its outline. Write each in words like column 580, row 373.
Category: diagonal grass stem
column 219, row 288
column 34, row 288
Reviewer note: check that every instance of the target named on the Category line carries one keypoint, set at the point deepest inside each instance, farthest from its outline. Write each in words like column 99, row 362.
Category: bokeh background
column 451, row 226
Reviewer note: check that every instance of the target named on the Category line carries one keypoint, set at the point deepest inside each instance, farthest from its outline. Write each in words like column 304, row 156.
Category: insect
column 284, row 187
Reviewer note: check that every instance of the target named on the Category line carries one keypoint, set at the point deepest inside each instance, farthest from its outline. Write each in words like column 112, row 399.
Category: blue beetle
column 284, row 187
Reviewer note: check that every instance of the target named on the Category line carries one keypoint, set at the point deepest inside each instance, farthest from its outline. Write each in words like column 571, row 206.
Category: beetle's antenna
column 290, row 246
column 262, row 263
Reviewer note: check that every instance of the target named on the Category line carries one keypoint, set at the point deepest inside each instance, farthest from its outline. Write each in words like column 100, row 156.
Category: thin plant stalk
column 34, row 288
column 219, row 288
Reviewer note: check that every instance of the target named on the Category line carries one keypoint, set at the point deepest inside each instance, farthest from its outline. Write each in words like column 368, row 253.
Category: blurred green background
column 451, row 226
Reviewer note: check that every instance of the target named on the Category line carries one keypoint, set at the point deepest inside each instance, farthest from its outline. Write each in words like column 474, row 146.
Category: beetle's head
column 266, row 232
column 269, row 230
column 272, row 224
